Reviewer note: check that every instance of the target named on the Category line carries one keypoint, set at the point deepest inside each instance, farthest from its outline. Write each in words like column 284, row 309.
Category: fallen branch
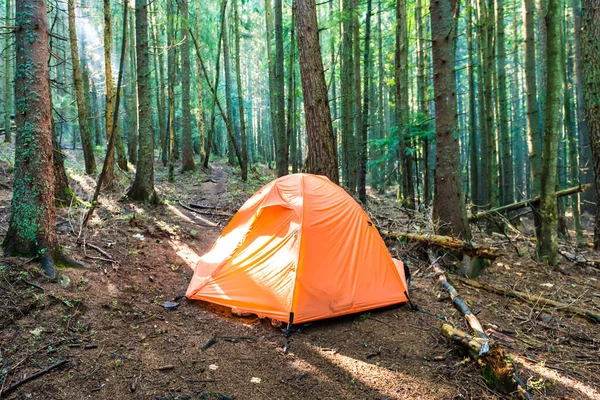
column 446, row 242
column 210, row 211
column 32, row 377
column 498, row 374
column 99, row 250
column 205, row 222
column 458, row 302
column 537, row 301
column 524, row 203
column 212, row 340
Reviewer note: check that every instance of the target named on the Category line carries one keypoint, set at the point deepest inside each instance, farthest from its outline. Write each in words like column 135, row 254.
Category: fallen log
column 524, row 203
column 445, row 242
column 32, row 377
column 537, row 301
column 458, row 302
column 497, row 372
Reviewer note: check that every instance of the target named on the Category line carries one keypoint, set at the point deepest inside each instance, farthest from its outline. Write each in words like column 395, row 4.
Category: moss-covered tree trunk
column 200, row 112
column 590, row 64
column 142, row 188
column 82, row 114
column 109, row 177
column 171, row 86
column 132, row 135
column 448, row 204
column 547, row 247
column 32, row 229
column 321, row 158
column 7, row 74
column 228, row 94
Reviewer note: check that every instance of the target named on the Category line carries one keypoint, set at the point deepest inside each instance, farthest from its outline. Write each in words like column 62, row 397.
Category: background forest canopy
column 457, row 104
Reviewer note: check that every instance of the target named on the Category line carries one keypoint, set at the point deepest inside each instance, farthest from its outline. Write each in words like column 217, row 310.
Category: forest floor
column 120, row 342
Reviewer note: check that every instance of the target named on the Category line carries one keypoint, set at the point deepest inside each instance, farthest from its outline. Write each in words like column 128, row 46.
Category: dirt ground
column 108, row 321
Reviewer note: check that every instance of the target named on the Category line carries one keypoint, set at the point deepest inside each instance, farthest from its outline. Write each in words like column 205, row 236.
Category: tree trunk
column 159, row 72
column 282, row 141
column 535, row 141
column 8, row 75
column 473, row 148
column 347, row 93
column 547, row 242
column 109, row 105
column 132, row 135
column 585, row 153
column 31, row 231
column 244, row 164
column 217, row 74
column 228, row 95
column 142, row 188
column 171, row 86
column 291, row 98
column 363, row 137
column 507, row 195
column 590, row 64
column 449, row 204
column 84, row 126
column 406, row 191
column 187, row 152
column 199, row 90
column 321, row 159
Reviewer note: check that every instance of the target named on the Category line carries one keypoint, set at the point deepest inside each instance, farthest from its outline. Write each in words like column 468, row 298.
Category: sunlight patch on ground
column 374, row 376
column 554, row 376
column 187, row 254
column 176, row 211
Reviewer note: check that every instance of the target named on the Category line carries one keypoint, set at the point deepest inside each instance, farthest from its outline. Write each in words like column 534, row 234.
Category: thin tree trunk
column 321, row 159
column 132, row 137
column 109, row 106
column 291, row 98
column 171, row 86
column 356, row 112
column 449, row 205
column 590, row 64
column 142, row 188
column 507, row 173
column 84, row 127
column 187, row 152
column 228, row 95
column 159, row 73
column 362, row 148
column 347, row 93
column 282, row 141
column 211, row 129
column 547, row 243
column 244, row 165
column 473, row 147
column 8, row 76
column 200, row 90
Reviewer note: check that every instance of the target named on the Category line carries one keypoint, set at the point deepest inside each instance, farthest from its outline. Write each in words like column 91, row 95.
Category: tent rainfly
column 301, row 249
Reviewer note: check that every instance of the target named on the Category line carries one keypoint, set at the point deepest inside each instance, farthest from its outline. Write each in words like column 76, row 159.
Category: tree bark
column 406, row 190
column 244, row 164
column 211, row 128
column 200, row 91
column 321, row 159
column 363, row 137
column 449, row 204
column 142, row 188
column 590, row 64
column 473, row 147
column 171, row 86
column 132, row 135
column 347, row 93
column 507, row 173
column 548, row 242
column 7, row 76
column 32, row 230
column 282, row 141
column 187, row 152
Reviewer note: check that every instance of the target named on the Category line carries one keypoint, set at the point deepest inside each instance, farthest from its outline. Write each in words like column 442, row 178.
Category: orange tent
column 299, row 250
